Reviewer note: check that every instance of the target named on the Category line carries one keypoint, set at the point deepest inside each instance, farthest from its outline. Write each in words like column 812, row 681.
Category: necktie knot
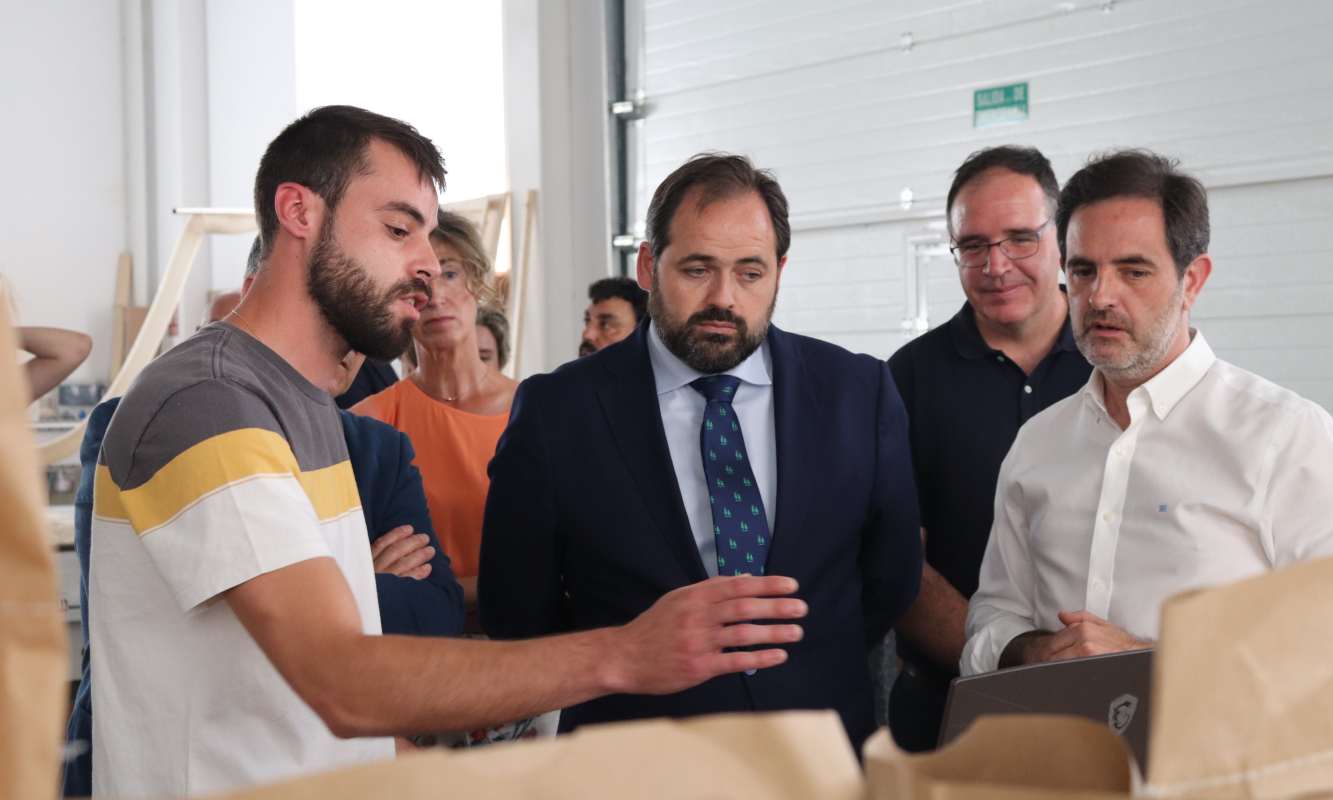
column 717, row 388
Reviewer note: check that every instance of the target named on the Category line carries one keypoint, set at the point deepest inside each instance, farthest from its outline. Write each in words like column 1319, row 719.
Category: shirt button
column 1027, row 390
column 751, row 672
column 1108, row 516
column 1000, row 359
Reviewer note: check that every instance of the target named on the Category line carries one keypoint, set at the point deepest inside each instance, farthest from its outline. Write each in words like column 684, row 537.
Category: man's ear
column 1196, row 275
column 300, row 211
column 644, row 267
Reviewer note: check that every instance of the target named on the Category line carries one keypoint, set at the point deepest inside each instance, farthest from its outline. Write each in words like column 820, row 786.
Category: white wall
column 65, row 220
column 558, row 133
column 829, row 98
column 251, row 98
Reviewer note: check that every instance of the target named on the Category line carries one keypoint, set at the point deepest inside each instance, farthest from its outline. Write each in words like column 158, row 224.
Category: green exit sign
column 1000, row 105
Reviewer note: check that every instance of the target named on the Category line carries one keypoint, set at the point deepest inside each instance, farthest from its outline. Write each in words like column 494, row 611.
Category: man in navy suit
column 709, row 442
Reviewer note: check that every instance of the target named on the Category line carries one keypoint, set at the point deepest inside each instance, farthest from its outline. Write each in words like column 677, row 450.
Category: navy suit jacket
column 392, row 495
column 585, row 527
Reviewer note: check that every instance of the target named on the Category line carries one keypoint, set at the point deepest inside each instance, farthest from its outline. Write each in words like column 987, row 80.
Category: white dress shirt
column 683, row 415
column 1221, row 475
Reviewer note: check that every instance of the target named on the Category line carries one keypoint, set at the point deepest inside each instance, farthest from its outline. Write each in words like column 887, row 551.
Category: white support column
column 558, row 129
column 177, row 133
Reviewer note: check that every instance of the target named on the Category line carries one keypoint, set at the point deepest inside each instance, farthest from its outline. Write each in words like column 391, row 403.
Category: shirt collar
column 1167, row 388
column 670, row 373
column 967, row 339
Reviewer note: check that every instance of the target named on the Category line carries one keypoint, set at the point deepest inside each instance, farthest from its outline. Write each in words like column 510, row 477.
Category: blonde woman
column 451, row 405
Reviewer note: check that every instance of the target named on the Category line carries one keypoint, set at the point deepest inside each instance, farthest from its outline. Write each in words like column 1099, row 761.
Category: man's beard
column 586, row 348
column 709, row 353
column 349, row 302
column 1142, row 358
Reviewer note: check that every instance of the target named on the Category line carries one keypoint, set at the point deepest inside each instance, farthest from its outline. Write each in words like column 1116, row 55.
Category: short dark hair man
column 968, row 386
column 235, row 638
column 709, row 442
column 617, row 305
column 1170, row 470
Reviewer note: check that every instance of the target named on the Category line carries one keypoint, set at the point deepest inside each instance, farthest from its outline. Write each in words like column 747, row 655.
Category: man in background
column 617, row 305
column 969, row 385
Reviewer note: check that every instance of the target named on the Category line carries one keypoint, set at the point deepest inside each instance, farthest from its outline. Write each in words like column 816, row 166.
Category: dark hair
column 323, row 148
column 255, row 259
column 626, row 289
column 719, row 176
column 1144, row 174
column 457, row 231
column 1021, row 160
column 498, row 324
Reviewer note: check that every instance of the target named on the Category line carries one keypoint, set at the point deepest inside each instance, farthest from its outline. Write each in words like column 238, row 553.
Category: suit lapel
column 629, row 401
column 796, row 426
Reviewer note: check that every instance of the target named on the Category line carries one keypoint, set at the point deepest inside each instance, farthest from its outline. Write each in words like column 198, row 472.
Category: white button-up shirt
column 683, row 415
column 1221, row 475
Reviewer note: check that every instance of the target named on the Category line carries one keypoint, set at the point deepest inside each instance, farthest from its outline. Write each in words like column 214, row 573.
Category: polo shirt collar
column 967, row 339
column 670, row 373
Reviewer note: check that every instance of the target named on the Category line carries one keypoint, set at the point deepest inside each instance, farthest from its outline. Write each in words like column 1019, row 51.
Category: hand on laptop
column 1085, row 634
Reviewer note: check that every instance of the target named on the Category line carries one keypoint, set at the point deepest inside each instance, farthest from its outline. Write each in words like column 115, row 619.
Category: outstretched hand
column 685, row 638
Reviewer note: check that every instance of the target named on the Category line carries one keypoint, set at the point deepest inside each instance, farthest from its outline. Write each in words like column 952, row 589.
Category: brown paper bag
column 1001, row 757
column 32, row 640
column 1243, row 689
column 800, row 755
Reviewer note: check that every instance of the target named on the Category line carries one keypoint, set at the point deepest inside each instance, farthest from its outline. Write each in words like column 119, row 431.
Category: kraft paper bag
column 1005, row 757
column 32, row 638
column 797, row 755
column 1243, row 689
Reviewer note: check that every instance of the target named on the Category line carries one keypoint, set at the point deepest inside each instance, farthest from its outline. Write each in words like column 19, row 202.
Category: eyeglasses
column 1023, row 244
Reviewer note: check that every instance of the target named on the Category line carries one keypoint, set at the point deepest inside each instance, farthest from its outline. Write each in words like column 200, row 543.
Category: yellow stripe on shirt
column 332, row 490
column 106, row 496
column 216, row 463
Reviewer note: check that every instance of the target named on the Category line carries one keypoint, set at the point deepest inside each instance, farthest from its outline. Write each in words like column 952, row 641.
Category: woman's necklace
column 454, row 398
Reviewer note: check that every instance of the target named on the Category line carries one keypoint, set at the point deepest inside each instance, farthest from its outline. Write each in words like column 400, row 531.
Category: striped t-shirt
column 222, row 463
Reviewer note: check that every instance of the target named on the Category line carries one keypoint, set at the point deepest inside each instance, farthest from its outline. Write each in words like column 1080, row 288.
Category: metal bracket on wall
column 629, row 110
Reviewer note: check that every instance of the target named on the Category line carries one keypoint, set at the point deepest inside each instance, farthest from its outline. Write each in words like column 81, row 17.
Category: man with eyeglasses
column 968, row 385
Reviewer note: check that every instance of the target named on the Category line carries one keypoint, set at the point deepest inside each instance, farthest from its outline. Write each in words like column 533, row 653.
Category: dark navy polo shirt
column 965, row 402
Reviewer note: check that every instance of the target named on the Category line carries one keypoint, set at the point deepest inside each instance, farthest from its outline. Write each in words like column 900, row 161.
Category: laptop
column 1114, row 690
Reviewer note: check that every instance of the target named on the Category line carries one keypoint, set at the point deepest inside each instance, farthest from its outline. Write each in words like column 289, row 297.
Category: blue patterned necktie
column 740, row 526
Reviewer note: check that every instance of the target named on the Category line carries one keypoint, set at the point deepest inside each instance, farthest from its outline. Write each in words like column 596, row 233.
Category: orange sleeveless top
column 453, row 449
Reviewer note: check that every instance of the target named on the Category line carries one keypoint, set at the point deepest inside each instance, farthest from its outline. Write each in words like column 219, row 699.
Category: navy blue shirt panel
column 965, row 403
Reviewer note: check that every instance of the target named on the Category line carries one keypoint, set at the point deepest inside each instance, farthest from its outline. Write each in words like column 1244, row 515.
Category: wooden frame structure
column 199, row 223
column 487, row 213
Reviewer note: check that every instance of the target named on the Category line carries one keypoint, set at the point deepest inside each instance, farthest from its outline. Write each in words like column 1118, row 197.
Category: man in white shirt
column 1169, row 471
